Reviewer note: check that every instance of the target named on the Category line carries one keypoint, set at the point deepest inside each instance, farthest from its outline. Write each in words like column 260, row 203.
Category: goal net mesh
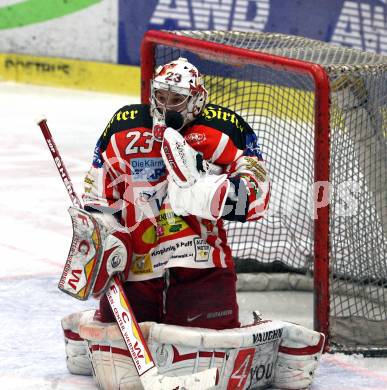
column 280, row 106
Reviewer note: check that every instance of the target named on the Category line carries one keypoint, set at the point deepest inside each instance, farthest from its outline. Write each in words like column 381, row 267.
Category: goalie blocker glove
column 117, row 253
column 100, row 248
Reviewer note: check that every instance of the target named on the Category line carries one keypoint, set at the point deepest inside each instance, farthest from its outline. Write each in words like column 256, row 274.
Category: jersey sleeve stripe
column 220, row 148
column 238, row 154
column 121, row 161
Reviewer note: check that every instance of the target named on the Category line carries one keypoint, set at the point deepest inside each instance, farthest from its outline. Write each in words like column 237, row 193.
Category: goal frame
column 321, row 139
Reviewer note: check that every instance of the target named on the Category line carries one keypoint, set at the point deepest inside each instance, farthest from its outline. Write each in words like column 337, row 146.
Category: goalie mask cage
column 320, row 113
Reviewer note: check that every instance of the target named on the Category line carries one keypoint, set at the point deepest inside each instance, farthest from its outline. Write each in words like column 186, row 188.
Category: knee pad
column 245, row 357
column 113, row 367
column 298, row 357
column 77, row 359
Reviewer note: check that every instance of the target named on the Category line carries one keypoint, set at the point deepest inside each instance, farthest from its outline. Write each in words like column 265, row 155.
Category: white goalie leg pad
column 298, row 357
column 112, row 364
column 77, row 358
column 245, row 357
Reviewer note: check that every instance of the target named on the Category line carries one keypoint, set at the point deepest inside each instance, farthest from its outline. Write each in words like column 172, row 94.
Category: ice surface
column 36, row 234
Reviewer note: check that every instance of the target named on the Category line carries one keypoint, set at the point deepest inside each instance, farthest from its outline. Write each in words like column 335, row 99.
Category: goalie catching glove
column 99, row 250
column 192, row 189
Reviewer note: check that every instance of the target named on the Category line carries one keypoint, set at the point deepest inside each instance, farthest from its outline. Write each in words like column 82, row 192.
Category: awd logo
column 363, row 26
column 36, row 11
column 242, row 15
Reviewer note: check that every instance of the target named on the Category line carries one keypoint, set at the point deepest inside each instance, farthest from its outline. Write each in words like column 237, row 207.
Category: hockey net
column 320, row 113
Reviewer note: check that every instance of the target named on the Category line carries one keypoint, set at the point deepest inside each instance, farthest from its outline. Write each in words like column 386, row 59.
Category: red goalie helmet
column 177, row 86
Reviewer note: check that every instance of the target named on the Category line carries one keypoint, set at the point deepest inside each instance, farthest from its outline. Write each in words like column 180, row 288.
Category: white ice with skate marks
column 36, row 234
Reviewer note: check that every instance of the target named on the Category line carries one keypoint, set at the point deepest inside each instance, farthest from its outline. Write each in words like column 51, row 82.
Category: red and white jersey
column 128, row 178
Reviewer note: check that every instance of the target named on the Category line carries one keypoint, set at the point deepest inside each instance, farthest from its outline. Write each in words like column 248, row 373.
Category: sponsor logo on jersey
column 89, row 180
column 175, row 228
column 193, row 318
column 147, row 169
column 97, row 157
column 256, row 168
column 195, row 138
column 211, row 112
column 170, row 222
column 162, row 251
column 167, row 216
column 202, row 250
column 142, row 265
column 125, row 115
column 167, row 224
column 252, row 146
column 158, row 131
column 218, row 314
column 119, row 116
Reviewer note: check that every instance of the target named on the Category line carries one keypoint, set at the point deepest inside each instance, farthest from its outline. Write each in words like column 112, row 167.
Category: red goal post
column 219, row 48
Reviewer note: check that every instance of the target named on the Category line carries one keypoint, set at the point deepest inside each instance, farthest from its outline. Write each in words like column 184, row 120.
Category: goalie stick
column 127, row 323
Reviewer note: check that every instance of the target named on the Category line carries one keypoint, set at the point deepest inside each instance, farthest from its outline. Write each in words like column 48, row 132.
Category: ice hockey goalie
column 165, row 176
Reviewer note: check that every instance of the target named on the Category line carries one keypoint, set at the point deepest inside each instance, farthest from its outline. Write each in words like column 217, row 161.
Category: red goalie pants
column 185, row 296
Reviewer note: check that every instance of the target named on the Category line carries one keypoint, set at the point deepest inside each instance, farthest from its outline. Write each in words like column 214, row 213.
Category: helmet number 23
column 136, row 139
column 175, row 77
